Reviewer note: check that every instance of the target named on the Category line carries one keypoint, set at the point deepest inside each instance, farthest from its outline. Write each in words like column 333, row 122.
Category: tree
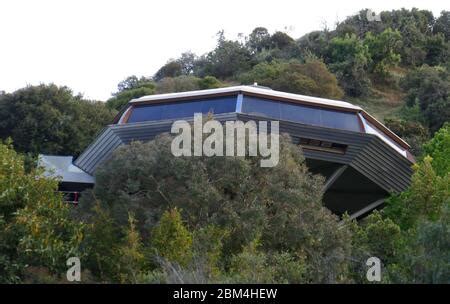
column 425, row 257
column 226, row 60
column 413, row 132
column 258, row 39
column 37, row 229
column 50, row 119
column 425, row 199
column 439, row 150
column 438, row 49
column 171, row 240
column 442, row 25
column 383, row 50
column 131, row 256
column 209, row 82
column 170, row 69
column 281, row 204
column 131, row 87
column 178, row 84
column 281, row 40
column 101, row 243
column 349, row 60
column 316, row 42
column 310, row 78
column 430, row 88
column 133, row 82
column 187, row 61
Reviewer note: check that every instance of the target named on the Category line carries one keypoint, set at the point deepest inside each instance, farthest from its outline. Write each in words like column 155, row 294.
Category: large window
column 183, row 109
column 300, row 113
column 251, row 105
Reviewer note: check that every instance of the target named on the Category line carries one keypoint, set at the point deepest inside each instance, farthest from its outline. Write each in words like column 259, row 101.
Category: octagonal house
column 362, row 160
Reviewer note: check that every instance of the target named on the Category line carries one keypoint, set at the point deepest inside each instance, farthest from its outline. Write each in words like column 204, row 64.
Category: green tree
column 258, row 39
column 209, row 82
column 131, row 87
column 37, row 229
column 171, row 240
column 442, row 25
column 349, row 60
column 178, row 84
column 170, row 69
column 425, row 198
column 50, row 119
column 226, row 60
column 309, row 78
column 438, row 49
column 281, row 204
column 425, row 257
column 131, row 254
column 413, row 132
column 429, row 87
column 102, row 241
column 439, row 150
column 383, row 50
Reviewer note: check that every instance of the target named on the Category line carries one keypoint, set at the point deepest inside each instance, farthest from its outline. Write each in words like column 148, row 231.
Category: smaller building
column 72, row 179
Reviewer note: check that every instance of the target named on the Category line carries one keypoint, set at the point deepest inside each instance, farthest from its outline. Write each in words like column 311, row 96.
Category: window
column 300, row 113
column 324, row 146
column 185, row 109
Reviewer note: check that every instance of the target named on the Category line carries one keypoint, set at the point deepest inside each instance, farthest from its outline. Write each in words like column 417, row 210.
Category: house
column 362, row 160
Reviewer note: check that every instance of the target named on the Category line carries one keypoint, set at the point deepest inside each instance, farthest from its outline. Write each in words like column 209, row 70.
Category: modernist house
column 361, row 159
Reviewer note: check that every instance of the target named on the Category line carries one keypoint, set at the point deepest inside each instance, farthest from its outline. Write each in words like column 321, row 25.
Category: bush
column 439, row 150
column 171, row 240
column 280, row 204
column 310, row 78
column 349, row 59
column 430, row 88
column 50, row 119
column 37, row 229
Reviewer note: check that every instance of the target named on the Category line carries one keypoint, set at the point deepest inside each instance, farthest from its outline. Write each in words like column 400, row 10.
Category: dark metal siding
column 366, row 153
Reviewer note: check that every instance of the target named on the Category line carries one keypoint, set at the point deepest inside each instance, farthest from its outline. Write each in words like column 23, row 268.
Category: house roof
column 63, row 168
column 261, row 91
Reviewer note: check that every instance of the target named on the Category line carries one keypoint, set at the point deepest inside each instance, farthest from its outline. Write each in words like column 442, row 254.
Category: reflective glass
column 183, row 109
column 300, row 113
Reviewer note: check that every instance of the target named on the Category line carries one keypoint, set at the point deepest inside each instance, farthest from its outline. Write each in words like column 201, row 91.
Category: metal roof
column 252, row 90
column 62, row 167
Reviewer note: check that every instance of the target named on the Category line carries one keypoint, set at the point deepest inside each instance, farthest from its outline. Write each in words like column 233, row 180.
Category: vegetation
column 51, row 120
column 155, row 218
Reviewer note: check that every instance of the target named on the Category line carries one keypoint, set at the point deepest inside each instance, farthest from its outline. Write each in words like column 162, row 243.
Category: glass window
column 299, row 113
column 261, row 107
column 307, row 115
column 340, row 120
column 183, row 109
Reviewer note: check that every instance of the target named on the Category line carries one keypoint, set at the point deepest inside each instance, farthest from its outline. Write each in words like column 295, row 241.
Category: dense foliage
column 37, row 234
column 50, row 119
column 152, row 217
column 232, row 199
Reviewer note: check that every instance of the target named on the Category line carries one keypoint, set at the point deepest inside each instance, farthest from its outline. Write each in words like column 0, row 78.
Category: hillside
column 392, row 68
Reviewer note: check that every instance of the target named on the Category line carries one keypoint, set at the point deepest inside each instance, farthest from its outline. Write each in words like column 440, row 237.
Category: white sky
column 91, row 45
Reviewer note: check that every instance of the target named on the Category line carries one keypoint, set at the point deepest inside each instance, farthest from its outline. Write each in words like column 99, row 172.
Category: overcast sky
column 91, row 45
